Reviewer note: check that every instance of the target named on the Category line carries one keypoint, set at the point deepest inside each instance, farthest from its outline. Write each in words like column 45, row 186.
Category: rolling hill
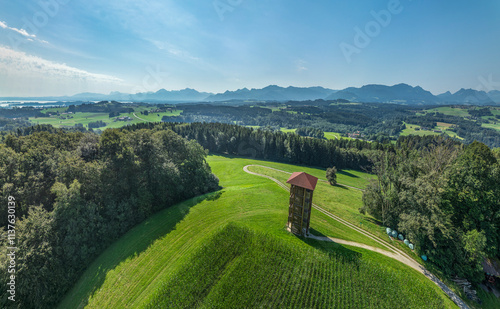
column 230, row 249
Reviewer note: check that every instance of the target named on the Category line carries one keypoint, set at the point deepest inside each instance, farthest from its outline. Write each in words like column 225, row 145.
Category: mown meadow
column 239, row 268
column 245, row 222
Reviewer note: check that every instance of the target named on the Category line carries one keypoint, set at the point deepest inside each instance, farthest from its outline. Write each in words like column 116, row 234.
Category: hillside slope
column 239, row 268
column 134, row 270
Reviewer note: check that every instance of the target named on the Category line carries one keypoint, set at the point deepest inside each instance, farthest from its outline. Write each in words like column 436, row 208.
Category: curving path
column 275, row 169
column 140, row 118
column 393, row 252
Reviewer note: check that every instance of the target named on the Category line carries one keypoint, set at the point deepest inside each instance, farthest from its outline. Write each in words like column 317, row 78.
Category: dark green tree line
column 444, row 197
column 76, row 193
column 277, row 146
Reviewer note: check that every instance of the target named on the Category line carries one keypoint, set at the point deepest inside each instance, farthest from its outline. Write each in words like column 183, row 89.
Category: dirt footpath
column 394, row 252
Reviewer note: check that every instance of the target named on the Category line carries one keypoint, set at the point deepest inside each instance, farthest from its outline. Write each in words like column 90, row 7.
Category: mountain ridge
column 373, row 93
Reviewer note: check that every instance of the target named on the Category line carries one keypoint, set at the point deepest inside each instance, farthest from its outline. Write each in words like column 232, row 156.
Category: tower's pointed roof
column 303, row 180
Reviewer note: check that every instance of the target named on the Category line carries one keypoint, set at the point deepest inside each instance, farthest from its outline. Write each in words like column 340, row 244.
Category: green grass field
column 85, row 118
column 410, row 130
column 328, row 135
column 452, row 111
column 135, row 270
column 455, row 111
column 239, row 268
column 495, row 110
column 495, row 126
column 339, row 200
column 333, row 135
column 156, row 117
column 444, row 127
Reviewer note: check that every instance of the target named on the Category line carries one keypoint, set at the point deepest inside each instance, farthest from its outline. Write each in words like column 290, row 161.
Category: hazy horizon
column 212, row 92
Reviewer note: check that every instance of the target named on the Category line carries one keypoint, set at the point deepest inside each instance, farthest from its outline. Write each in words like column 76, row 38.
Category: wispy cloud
column 182, row 55
column 21, row 61
column 300, row 65
column 22, row 70
column 175, row 51
column 24, row 33
column 20, row 31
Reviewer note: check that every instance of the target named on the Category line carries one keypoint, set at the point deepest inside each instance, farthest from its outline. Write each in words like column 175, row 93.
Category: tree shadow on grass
column 348, row 174
column 374, row 221
column 132, row 244
column 214, row 196
column 329, row 246
column 341, row 186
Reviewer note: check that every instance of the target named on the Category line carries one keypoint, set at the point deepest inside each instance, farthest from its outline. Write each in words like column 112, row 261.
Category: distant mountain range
column 471, row 96
column 162, row 95
column 399, row 94
column 274, row 93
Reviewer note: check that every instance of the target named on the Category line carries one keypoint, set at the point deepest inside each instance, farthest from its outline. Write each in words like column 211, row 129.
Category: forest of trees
column 102, row 107
column 469, row 130
column 377, row 122
column 445, row 197
column 96, row 124
column 8, row 124
column 480, row 112
column 21, row 112
column 78, row 192
column 275, row 145
column 310, row 132
column 73, row 187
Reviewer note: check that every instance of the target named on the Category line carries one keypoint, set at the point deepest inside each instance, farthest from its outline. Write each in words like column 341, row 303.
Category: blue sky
column 63, row 47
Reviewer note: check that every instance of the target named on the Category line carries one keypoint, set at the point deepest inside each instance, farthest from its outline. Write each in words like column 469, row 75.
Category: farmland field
column 495, row 126
column 463, row 112
column 136, row 269
column 236, row 265
column 332, row 135
column 411, row 130
column 452, row 111
column 156, row 117
column 443, row 126
column 85, row 118
column 328, row 135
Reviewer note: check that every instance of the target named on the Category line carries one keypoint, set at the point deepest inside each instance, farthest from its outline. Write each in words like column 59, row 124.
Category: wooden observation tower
column 301, row 193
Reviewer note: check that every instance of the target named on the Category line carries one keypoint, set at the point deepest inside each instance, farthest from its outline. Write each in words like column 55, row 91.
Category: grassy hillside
column 141, row 264
column 85, row 118
column 239, row 268
column 463, row 112
column 340, row 200
column 448, row 110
